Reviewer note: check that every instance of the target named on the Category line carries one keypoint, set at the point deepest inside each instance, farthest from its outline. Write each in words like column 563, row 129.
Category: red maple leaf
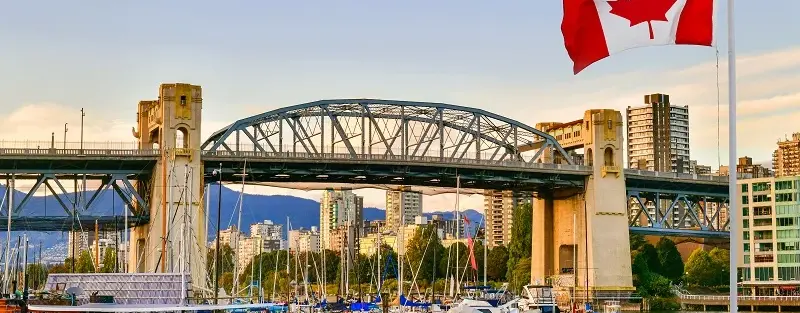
column 640, row 11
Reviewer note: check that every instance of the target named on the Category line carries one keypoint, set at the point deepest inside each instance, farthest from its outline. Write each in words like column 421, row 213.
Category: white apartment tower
column 658, row 136
column 409, row 201
column 338, row 208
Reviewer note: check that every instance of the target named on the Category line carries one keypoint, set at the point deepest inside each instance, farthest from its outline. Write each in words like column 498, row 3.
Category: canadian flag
column 595, row 29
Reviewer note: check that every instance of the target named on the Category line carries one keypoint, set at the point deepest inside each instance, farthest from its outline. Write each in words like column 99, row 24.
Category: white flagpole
column 733, row 214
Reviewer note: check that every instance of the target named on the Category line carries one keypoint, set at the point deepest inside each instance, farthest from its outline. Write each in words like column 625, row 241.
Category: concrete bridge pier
column 580, row 236
column 171, row 124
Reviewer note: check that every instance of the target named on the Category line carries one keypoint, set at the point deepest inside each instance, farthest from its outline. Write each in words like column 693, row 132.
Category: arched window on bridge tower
column 589, row 157
column 182, row 138
column 608, row 156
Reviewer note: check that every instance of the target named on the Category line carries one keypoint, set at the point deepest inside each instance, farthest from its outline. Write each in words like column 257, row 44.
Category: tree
column 497, row 265
column 651, row 256
column 521, row 274
column 670, row 260
column 85, row 263
column 421, row 251
column 700, row 269
column 109, row 261
column 225, row 259
column 636, row 241
column 720, row 258
column 520, row 245
column 59, row 268
column 37, row 276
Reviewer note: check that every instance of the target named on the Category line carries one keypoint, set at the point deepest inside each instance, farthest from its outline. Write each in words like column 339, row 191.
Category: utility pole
column 65, row 135
column 82, row 115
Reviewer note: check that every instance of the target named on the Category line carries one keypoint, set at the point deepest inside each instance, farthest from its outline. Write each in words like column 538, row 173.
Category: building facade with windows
column 658, row 136
column 498, row 207
column 410, row 202
column 769, row 256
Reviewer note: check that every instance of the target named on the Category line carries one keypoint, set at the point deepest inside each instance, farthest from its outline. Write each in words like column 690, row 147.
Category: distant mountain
column 256, row 208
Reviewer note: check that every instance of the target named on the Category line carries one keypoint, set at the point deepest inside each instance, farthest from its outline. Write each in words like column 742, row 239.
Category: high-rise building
column 658, row 136
column 270, row 233
column 304, row 240
column 498, row 206
column 769, row 253
column 85, row 240
column 339, row 208
column 410, row 202
column 786, row 159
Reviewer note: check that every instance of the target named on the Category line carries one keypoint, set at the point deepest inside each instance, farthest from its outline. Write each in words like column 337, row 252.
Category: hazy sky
column 254, row 56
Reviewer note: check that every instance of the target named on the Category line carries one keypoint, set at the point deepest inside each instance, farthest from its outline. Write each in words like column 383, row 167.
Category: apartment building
column 746, row 169
column 410, row 202
column 769, row 256
column 786, row 159
column 339, row 208
column 304, row 240
column 498, row 206
column 658, row 135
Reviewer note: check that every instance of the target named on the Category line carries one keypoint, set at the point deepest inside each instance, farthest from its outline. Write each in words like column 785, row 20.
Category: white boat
column 480, row 306
column 538, row 299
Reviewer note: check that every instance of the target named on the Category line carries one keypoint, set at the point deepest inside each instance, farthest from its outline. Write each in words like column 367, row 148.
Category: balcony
column 607, row 169
column 182, row 152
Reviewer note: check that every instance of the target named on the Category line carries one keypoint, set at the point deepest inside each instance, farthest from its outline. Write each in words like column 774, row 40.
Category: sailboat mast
column 458, row 229
column 288, row 285
column 235, row 291
column 402, row 246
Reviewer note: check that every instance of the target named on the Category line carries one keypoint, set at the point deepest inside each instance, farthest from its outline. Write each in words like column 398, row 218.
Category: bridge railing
column 78, row 152
column 741, row 298
column 98, row 145
column 710, row 178
column 383, row 157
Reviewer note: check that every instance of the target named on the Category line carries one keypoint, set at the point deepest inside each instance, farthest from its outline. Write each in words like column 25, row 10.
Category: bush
column 664, row 304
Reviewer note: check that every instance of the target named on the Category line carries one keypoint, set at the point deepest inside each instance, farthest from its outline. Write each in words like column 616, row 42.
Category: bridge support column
column 580, row 237
column 175, row 238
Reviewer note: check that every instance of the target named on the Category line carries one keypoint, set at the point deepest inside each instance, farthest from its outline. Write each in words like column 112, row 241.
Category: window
column 744, row 274
column 789, row 246
column 762, row 198
column 746, row 235
column 787, row 221
column 183, row 100
column 746, row 259
column 745, row 211
column 744, row 188
column 762, row 210
column 610, row 125
column 761, row 187
column 745, row 200
column 788, row 258
column 789, row 273
column 785, row 197
column 783, row 185
column 764, row 273
column 762, row 222
column 745, row 224
column 747, row 247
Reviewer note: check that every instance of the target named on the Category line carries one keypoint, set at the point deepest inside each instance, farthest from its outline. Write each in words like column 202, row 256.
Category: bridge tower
column 171, row 124
column 580, row 237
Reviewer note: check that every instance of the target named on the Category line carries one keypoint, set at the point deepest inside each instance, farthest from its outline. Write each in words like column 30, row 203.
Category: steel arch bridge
column 391, row 142
column 387, row 127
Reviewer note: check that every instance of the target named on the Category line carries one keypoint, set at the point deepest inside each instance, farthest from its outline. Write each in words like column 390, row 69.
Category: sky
column 506, row 57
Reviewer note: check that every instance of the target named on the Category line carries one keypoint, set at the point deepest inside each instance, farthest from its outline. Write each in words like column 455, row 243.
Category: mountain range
column 302, row 213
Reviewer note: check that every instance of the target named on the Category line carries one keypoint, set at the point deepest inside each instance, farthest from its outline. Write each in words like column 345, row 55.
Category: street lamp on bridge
column 65, row 135
column 82, row 115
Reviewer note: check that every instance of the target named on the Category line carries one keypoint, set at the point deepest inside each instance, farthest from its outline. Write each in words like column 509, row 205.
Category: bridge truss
column 401, row 129
column 678, row 213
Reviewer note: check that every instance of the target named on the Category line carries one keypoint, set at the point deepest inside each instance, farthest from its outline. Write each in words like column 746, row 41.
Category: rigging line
column 719, row 158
